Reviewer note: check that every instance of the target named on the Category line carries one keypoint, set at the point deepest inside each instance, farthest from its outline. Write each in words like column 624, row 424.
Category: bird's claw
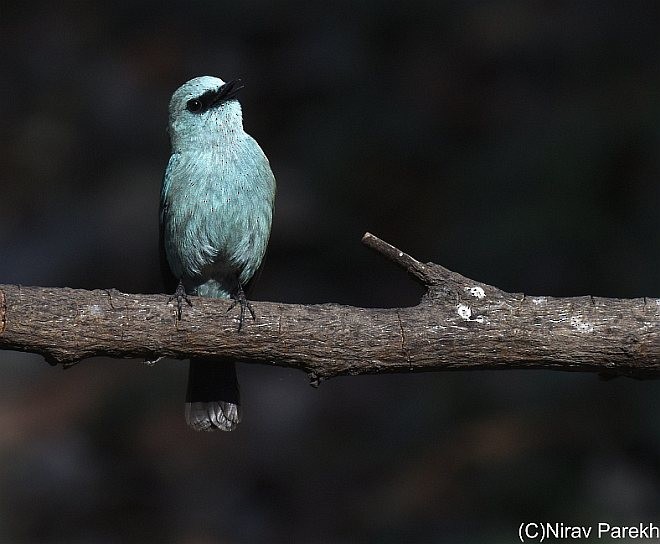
column 245, row 303
column 180, row 295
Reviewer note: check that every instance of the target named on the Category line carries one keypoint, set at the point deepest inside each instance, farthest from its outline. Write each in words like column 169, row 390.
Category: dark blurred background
column 516, row 142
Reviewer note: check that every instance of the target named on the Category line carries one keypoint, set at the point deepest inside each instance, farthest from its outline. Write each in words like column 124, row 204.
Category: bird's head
column 204, row 107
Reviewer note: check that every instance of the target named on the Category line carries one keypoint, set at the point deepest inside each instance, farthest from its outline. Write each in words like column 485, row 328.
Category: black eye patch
column 202, row 102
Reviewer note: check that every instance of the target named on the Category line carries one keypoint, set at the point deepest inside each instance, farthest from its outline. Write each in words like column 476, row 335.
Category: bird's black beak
column 228, row 91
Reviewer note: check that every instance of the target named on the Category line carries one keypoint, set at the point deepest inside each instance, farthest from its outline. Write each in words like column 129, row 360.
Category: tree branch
column 460, row 324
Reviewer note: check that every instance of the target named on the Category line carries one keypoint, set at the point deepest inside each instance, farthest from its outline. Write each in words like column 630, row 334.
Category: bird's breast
column 218, row 216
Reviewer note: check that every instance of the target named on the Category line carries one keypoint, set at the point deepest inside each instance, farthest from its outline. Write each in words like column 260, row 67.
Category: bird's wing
column 169, row 280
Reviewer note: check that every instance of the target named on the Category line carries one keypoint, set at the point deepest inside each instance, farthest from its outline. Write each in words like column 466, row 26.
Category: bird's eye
column 194, row 105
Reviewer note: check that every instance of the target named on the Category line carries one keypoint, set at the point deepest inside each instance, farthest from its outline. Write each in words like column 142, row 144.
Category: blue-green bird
column 215, row 216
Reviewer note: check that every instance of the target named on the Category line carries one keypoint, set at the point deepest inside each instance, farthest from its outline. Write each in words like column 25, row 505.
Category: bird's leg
column 241, row 299
column 180, row 295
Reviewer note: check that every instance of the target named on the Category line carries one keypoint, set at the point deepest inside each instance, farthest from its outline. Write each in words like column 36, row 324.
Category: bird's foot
column 245, row 303
column 180, row 295
column 152, row 362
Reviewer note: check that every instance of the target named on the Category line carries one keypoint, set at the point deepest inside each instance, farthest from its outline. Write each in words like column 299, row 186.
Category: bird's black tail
column 213, row 400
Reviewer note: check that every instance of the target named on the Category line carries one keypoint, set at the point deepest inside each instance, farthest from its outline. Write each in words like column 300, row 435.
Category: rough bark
column 459, row 324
